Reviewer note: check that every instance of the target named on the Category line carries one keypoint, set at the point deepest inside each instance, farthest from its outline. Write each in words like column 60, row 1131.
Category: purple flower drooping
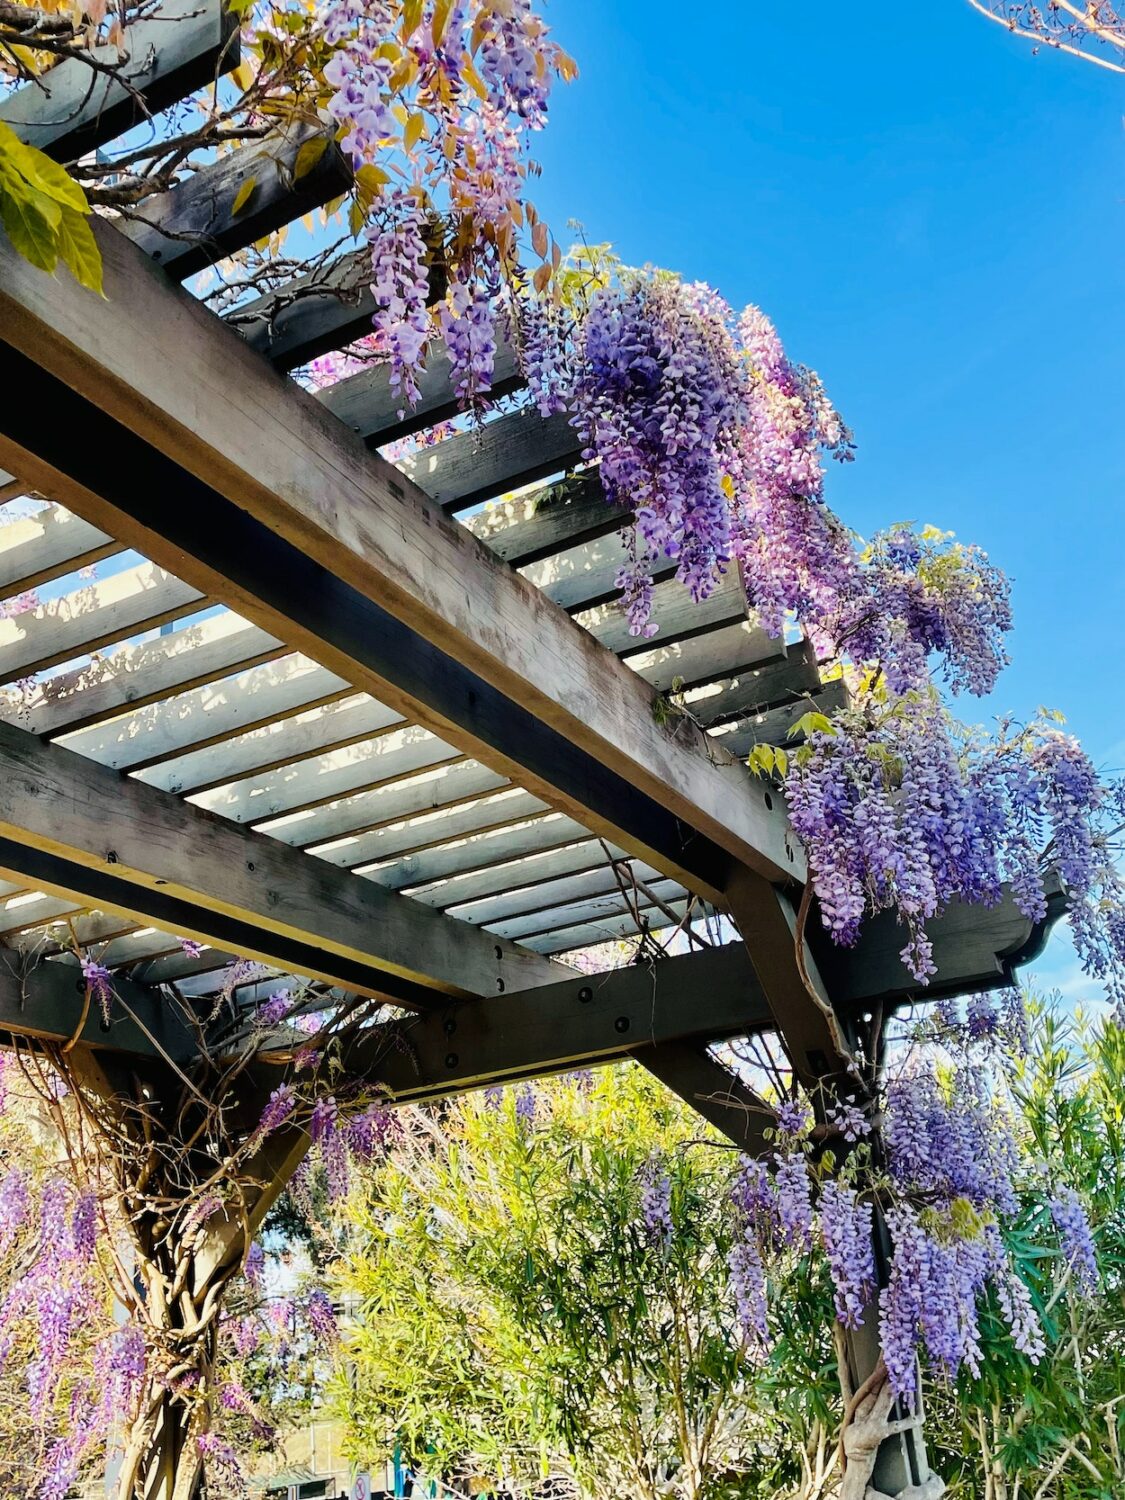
column 1076, row 1239
column 656, row 1202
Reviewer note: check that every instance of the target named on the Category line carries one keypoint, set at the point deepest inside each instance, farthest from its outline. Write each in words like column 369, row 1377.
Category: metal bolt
column 451, row 1059
column 621, row 1024
column 449, row 1026
column 585, row 994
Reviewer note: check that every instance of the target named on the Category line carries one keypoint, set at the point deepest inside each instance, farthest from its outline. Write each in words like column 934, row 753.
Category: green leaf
column 242, row 197
column 31, row 221
column 79, row 250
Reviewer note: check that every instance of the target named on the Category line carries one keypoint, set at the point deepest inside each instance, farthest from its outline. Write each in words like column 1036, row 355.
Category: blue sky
column 934, row 216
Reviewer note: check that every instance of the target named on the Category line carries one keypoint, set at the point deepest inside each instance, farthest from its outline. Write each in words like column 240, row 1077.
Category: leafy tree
column 540, row 1288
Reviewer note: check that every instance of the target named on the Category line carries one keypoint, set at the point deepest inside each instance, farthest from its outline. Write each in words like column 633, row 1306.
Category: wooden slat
column 500, row 455
column 366, row 403
column 533, row 525
column 478, row 852
column 541, row 868
column 269, row 504
column 137, row 674
column 703, row 658
column 324, row 309
column 128, row 847
column 579, row 913
column 547, row 897
column 23, row 913
column 138, row 599
column 230, row 706
column 675, row 613
column 194, row 224
column 10, row 487
column 603, row 930
column 773, row 727
column 54, row 934
column 343, row 721
column 340, row 832
column 71, row 109
column 325, row 778
column 761, row 687
column 47, row 545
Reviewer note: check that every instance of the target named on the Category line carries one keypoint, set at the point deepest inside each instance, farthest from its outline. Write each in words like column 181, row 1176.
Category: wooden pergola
column 388, row 737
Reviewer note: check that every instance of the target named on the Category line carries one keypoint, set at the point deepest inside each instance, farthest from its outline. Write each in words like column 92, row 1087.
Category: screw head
column 451, row 1059
column 449, row 1026
column 621, row 1024
column 585, row 994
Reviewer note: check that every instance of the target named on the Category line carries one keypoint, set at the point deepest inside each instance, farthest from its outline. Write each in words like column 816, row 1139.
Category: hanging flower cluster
column 437, row 101
column 949, row 1178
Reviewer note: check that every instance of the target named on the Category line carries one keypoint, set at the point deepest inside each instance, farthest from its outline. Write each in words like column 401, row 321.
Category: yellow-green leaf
column 308, row 156
column 44, row 175
column 412, row 132
column 31, row 223
column 242, row 197
column 79, row 250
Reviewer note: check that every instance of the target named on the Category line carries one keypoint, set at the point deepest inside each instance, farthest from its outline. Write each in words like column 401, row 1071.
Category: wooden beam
column 583, row 1021
column 975, row 948
column 195, row 224
column 258, row 495
column 124, row 846
column 70, row 110
column 714, row 1091
column 47, row 1001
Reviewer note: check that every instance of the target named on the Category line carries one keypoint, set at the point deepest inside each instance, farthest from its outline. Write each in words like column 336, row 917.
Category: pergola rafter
column 394, row 737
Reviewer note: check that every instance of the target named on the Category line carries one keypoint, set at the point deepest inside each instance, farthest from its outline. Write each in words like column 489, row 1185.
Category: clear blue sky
column 935, row 219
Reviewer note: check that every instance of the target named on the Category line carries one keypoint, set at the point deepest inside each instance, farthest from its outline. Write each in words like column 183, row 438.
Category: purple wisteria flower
column 656, row 1202
column 99, row 982
column 1076, row 1239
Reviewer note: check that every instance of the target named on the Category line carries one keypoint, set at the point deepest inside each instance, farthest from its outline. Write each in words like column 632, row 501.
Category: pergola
column 388, row 738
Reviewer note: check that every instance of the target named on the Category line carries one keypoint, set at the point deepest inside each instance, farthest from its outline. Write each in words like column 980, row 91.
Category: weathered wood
column 586, row 1021
column 262, row 498
column 96, row 615
column 703, row 658
column 774, row 726
column 194, row 224
column 48, row 545
column 366, row 403
column 340, row 722
column 544, row 866
column 428, row 809
column 811, row 1031
column 62, row 806
column 579, row 912
column 325, row 778
column 719, row 1095
column 323, row 310
column 71, row 110
column 758, row 688
column 598, row 879
column 477, row 853
column 489, row 460
column 49, row 1002
column 10, row 487
column 975, row 948
column 675, row 613
column 138, row 674
column 532, row 526
column 603, row 929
